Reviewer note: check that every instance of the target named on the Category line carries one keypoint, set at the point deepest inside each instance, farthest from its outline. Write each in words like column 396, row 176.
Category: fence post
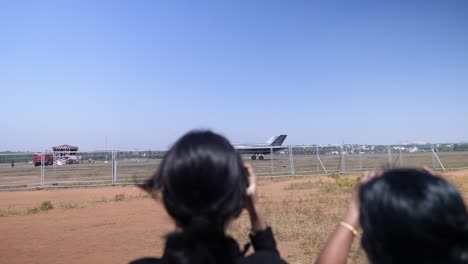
column 390, row 165
column 116, row 155
column 271, row 160
column 317, row 161
column 321, row 163
column 114, row 168
column 435, row 156
column 291, row 161
column 400, row 156
column 54, row 168
column 360, row 157
column 42, row 169
column 343, row 163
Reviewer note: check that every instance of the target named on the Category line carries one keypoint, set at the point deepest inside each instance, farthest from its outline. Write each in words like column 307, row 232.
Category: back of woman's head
column 203, row 182
column 411, row 216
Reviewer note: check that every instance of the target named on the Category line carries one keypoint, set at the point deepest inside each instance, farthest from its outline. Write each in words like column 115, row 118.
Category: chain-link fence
column 66, row 169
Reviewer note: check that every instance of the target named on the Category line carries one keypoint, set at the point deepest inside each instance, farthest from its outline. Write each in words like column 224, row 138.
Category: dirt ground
column 118, row 224
column 89, row 226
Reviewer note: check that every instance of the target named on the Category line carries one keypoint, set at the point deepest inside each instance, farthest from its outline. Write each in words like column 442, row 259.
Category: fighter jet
column 258, row 150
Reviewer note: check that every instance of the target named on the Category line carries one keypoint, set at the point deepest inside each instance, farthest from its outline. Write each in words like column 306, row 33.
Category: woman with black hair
column 407, row 216
column 204, row 186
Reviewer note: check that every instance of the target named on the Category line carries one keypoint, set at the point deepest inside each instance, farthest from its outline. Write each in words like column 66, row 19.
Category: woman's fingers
column 251, row 179
column 369, row 175
column 428, row 170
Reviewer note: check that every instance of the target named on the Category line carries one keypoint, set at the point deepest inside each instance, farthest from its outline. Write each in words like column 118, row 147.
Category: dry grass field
column 118, row 224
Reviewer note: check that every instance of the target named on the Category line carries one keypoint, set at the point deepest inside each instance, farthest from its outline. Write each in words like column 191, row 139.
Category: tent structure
column 66, row 154
column 65, row 150
column 65, row 147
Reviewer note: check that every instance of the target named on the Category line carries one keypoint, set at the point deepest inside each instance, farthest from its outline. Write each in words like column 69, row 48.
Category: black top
column 263, row 243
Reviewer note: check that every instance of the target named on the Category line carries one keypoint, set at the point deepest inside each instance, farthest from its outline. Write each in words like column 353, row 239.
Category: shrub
column 46, row 206
column 346, row 183
column 119, row 197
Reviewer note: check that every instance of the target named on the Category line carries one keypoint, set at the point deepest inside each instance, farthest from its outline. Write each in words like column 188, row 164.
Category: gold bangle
column 350, row 228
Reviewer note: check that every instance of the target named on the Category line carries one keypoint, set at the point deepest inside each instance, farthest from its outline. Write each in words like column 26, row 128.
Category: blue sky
column 142, row 73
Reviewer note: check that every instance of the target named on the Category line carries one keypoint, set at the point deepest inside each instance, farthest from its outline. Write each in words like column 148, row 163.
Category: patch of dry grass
column 44, row 206
column 47, row 205
column 303, row 220
column 326, row 183
column 309, row 210
column 301, row 185
column 10, row 212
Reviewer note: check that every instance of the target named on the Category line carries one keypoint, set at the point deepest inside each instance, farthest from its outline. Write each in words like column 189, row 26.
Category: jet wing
column 257, row 150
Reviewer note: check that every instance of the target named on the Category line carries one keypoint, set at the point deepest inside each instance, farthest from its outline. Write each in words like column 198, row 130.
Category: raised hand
column 257, row 217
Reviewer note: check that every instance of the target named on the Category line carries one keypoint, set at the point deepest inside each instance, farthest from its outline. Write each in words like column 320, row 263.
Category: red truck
column 37, row 159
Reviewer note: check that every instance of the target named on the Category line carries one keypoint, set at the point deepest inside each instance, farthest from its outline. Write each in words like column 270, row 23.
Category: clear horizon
column 137, row 75
column 415, row 143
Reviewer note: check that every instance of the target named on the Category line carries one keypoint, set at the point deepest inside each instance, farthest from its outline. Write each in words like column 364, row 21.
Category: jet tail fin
column 276, row 141
column 271, row 140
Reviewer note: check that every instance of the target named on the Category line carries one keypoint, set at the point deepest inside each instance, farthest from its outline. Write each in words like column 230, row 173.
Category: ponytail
column 202, row 241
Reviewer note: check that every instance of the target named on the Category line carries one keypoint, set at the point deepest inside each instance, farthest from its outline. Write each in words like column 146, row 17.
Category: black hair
column 203, row 182
column 412, row 216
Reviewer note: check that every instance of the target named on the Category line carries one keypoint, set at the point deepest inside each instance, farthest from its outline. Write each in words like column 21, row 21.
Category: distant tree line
column 23, row 157
column 370, row 149
column 453, row 147
column 8, row 157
